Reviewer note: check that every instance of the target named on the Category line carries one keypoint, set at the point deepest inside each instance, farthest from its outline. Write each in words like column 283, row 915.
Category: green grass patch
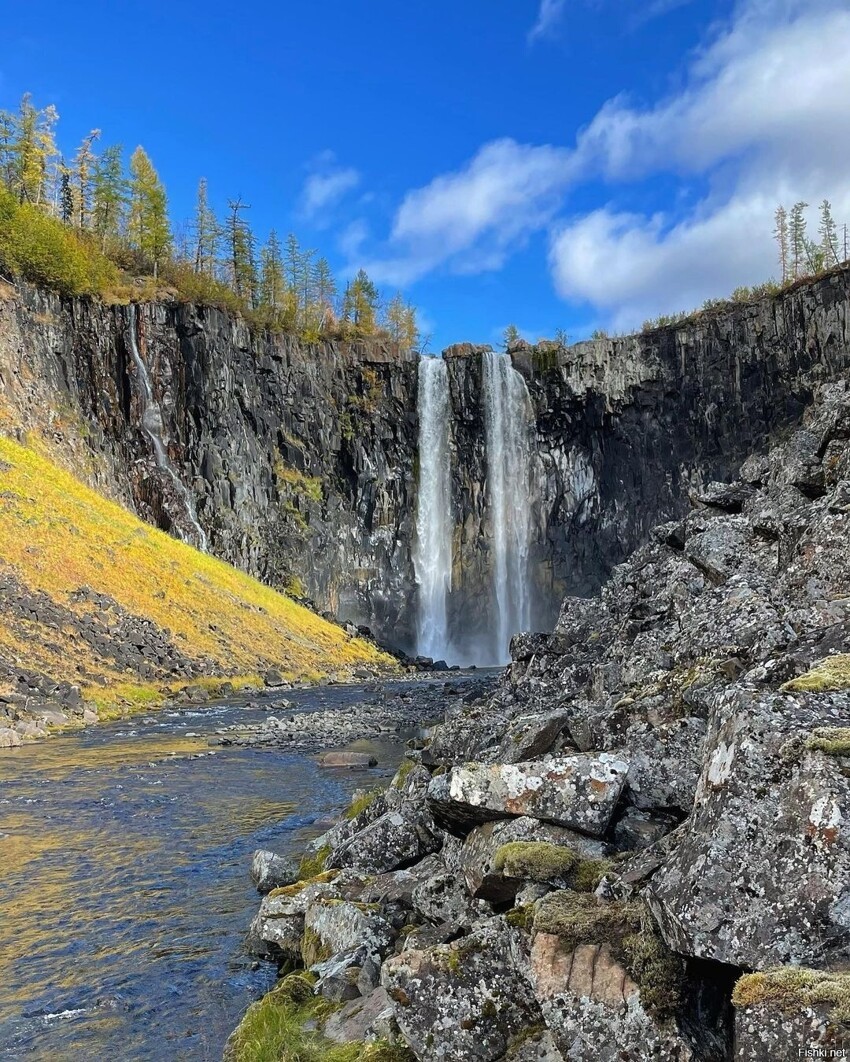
column 313, row 863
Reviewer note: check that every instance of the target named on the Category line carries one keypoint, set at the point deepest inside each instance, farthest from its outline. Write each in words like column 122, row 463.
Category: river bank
column 126, row 849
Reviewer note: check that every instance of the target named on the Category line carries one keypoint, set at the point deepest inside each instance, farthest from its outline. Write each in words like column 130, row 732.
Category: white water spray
column 508, row 417
column 153, row 428
column 432, row 550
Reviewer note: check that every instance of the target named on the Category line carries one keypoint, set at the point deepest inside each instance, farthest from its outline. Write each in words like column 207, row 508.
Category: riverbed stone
column 333, row 926
column 270, row 871
column 580, row 792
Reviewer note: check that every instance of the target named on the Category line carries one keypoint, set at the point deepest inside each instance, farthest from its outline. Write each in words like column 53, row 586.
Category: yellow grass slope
column 57, row 535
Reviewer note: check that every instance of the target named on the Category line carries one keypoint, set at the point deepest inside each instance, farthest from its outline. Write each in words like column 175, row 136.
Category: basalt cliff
column 299, row 462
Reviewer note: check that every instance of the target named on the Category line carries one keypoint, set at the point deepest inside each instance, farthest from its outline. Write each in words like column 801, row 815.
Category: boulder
column 466, row 1001
column 9, row 738
column 478, row 855
column 360, row 1018
column 278, row 926
column 442, row 898
column 760, row 876
column 792, row 1013
column 593, row 1008
column 347, row 759
column 270, row 871
column 580, row 792
column 396, row 838
column 333, row 926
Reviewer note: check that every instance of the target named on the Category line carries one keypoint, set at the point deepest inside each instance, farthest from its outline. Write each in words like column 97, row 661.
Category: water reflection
column 124, row 893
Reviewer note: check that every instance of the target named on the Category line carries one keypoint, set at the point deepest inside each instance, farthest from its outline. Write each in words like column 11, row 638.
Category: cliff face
column 302, row 461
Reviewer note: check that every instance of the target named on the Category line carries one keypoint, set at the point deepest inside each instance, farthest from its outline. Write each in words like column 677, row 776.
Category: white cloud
column 762, row 119
column 548, row 18
column 470, row 220
column 326, row 186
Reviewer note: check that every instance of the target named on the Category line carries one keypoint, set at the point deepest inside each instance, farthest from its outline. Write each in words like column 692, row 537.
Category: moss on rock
column 325, row 878
column 628, row 930
column 313, row 863
column 534, row 860
column 792, row 988
column 833, row 740
column 827, row 676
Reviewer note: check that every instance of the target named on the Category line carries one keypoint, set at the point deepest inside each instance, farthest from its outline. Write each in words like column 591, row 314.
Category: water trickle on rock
column 508, row 419
column 432, row 549
column 153, row 428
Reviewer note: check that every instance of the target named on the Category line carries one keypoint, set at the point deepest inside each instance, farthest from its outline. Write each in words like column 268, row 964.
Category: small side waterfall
column 432, row 549
column 153, row 428
column 508, row 418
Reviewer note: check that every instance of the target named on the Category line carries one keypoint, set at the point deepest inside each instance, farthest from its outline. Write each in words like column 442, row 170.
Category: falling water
column 508, row 417
column 153, row 428
column 432, row 551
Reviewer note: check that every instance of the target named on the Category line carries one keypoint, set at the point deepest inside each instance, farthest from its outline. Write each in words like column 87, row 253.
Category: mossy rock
column 325, row 878
column 534, row 860
column 628, row 930
column 791, row 989
column 313, row 864
column 828, row 676
column 832, row 740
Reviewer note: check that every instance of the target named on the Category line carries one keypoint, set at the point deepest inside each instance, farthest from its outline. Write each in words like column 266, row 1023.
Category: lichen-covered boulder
column 792, row 1013
column 604, row 983
column 398, row 837
column 278, row 926
column 760, row 876
column 270, row 871
column 461, row 1002
column 442, row 898
column 333, row 926
column 580, row 791
column 478, row 855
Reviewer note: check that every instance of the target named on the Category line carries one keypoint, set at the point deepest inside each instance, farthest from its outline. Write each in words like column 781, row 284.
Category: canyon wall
column 302, row 460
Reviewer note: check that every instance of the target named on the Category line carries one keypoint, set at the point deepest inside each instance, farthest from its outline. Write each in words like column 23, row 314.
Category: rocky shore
column 637, row 846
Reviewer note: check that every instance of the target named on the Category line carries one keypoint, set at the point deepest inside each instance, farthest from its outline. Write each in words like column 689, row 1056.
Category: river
column 125, row 896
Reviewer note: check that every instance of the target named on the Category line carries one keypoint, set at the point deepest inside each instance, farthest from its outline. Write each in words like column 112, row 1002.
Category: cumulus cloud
column 326, row 186
column 470, row 220
column 761, row 117
column 761, row 120
column 548, row 18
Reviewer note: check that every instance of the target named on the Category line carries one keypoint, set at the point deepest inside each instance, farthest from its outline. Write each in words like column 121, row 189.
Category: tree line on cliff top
column 97, row 224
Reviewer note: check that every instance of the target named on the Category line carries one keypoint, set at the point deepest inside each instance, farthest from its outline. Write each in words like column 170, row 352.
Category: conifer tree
column 149, row 230
column 206, row 231
column 828, row 235
column 797, row 234
column 510, row 336
column 360, row 304
column 66, row 194
column 780, row 234
column 272, row 279
column 241, row 243
column 324, row 288
column 109, row 196
column 84, row 168
column 8, row 127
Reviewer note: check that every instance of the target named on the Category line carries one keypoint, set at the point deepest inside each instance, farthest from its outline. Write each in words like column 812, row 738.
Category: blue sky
column 559, row 164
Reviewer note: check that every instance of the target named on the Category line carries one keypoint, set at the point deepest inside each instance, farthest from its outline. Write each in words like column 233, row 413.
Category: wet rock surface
column 694, row 719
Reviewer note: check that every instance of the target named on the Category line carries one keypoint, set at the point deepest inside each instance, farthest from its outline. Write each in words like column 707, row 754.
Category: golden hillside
column 64, row 549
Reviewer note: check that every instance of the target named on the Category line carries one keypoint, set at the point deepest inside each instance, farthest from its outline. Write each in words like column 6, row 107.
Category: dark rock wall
column 302, row 459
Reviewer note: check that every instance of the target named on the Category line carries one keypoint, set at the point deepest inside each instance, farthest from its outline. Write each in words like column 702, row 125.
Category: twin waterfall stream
column 508, row 421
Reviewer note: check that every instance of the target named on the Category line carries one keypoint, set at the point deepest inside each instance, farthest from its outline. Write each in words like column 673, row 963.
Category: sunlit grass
column 58, row 535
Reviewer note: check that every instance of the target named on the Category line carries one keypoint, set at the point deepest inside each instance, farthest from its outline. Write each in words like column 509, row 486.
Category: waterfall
column 153, row 428
column 508, row 418
column 432, row 549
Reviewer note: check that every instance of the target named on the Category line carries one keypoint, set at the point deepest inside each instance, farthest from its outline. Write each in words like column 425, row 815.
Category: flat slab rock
column 462, row 1002
column 767, row 1034
column 580, row 791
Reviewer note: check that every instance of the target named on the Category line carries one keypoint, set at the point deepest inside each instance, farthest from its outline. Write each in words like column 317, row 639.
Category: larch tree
column 828, row 235
column 780, row 234
column 240, row 241
column 109, row 196
column 272, row 279
column 84, row 169
column 360, row 304
column 797, row 236
column 206, row 231
column 148, row 227
column 510, row 336
column 324, row 288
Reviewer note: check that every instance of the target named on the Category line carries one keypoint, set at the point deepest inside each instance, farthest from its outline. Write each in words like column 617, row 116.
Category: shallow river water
column 124, row 888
